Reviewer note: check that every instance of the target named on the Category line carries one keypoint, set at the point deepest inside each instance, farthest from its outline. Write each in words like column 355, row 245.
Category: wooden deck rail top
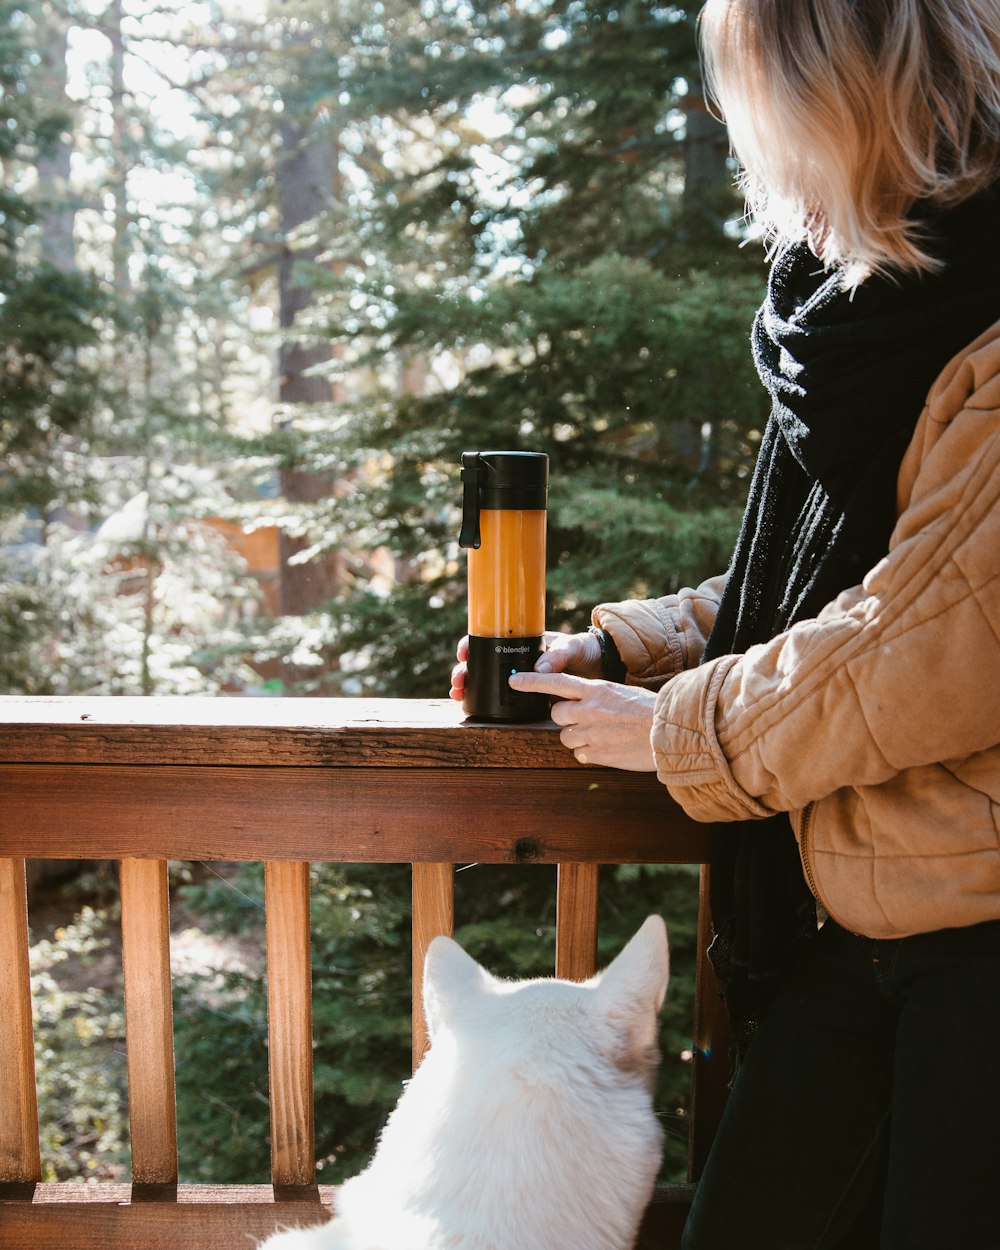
column 284, row 781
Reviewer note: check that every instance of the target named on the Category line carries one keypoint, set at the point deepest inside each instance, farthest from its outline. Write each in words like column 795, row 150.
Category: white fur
column 529, row 1124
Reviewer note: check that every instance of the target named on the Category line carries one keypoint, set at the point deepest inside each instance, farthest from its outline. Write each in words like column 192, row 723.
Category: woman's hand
column 564, row 653
column 603, row 722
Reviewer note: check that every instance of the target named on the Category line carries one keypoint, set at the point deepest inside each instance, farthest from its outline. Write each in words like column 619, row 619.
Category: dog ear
column 451, row 978
column 631, row 991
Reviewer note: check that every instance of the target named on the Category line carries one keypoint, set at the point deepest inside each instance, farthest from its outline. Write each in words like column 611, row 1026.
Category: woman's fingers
column 559, row 685
column 602, row 722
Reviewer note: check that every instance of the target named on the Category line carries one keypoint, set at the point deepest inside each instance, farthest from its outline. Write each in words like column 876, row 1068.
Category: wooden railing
column 286, row 782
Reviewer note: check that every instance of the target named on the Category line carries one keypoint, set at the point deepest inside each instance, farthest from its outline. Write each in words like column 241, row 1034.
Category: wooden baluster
column 576, row 921
column 149, row 1032
column 289, row 1023
column 433, row 914
column 19, row 1156
column 711, row 1070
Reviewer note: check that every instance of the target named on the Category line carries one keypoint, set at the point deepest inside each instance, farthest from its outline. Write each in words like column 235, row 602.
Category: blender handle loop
column 471, row 475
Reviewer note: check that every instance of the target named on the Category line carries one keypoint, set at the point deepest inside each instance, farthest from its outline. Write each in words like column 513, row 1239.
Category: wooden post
column 576, row 921
column 433, row 914
column 149, row 1032
column 19, row 1155
column 289, row 1023
column 711, row 1063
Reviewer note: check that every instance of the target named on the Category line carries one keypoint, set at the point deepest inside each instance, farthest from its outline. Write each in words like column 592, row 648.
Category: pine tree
column 46, row 313
column 537, row 208
column 141, row 592
column 47, row 327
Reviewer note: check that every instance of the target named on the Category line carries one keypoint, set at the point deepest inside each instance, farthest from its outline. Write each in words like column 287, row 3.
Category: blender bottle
column 503, row 527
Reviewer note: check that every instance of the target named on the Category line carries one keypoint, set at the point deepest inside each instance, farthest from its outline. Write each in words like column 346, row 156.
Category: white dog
column 529, row 1124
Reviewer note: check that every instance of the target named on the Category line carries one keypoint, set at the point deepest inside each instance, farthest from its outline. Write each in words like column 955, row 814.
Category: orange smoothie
column 507, row 575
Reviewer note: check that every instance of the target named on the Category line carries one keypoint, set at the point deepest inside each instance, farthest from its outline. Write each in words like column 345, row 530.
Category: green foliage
column 548, row 241
column 668, row 547
column 22, row 615
column 402, row 645
column 47, row 318
column 80, row 1065
column 604, row 369
column 360, row 1020
column 48, row 321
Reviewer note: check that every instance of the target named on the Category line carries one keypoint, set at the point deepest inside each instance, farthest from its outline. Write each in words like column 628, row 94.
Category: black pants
column 866, row 1115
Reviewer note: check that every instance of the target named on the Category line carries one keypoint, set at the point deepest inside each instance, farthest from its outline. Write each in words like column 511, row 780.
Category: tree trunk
column 707, row 178
column 307, row 185
column 120, row 246
column 57, row 212
column 706, row 166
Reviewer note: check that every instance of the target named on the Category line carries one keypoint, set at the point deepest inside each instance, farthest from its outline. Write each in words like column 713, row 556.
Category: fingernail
column 543, row 666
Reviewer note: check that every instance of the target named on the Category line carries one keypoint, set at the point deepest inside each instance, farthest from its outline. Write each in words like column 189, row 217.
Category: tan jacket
column 877, row 724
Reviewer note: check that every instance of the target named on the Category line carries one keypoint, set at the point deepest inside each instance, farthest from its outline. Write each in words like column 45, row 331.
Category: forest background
column 266, row 270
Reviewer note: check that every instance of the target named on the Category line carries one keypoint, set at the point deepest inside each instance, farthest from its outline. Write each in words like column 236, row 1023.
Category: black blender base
column 487, row 693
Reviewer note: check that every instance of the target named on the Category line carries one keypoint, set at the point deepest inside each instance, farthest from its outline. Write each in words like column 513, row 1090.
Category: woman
column 834, row 699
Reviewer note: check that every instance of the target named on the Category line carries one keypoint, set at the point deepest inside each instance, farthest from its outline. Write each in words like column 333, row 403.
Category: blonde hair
column 845, row 113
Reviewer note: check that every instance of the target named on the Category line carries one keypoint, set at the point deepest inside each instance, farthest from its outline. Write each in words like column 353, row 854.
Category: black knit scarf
column 848, row 375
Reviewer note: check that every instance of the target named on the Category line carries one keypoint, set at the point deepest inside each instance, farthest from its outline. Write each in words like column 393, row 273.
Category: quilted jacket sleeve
column 657, row 638
column 899, row 672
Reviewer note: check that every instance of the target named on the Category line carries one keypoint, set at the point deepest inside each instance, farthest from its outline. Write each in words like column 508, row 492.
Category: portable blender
column 503, row 527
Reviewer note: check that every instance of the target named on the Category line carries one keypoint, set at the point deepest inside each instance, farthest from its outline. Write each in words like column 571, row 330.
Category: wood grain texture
column 358, row 815
column 289, row 1023
column 576, row 921
column 226, row 1217
column 119, row 1217
column 19, row 1154
column 433, row 914
column 149, row 1031
column 411, row 733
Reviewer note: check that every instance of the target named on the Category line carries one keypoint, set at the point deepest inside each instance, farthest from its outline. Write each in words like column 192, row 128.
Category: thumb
column 561, row 653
